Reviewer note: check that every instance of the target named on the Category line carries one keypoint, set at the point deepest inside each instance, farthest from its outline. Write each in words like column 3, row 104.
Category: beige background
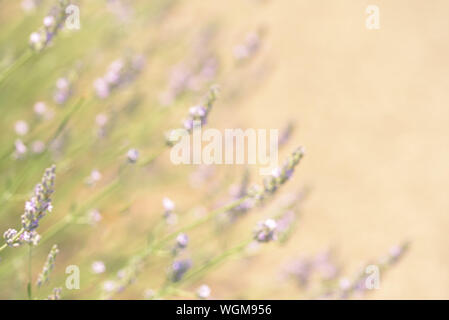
column 371, row 109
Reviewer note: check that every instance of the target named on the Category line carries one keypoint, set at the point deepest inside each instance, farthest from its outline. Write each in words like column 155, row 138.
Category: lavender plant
column 35, row 209
column 110, row 154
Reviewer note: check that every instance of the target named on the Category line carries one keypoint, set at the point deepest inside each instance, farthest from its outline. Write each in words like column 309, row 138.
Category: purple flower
column 168, row 204
column 203, row 292
column 101, row 88
column 10, row 238
column 178, row 269
column 98, row 267
column 39, row 204
column 182, row 240
column 20, row 149
column 265, row 231
column 133, row 155
column 21, row 127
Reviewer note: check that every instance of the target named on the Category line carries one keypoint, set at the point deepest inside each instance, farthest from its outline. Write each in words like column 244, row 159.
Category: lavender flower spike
column 197, row 115
column 178, row 269
column 265, row 231
column 40, row 203
column 48, row 266
column 278, row 177
column 281, row 175
column 37, row 207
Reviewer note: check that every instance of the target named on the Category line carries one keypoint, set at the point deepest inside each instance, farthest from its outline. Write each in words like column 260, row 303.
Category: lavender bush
column 96, row 103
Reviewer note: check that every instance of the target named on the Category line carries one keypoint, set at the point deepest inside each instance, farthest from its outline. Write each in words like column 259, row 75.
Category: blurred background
column 369, row 106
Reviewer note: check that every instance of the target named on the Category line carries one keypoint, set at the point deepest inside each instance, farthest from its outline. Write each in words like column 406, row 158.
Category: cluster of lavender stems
column 356, row 286
column 180, row 267
column 118, row 74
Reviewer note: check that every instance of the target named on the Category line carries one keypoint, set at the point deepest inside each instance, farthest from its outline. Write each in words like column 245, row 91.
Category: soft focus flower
column 325, row 266
column 38, row 147
column 178, row 269
column 101, row 119
column 35, row 38
column 203, row 292
column 94, row 216
column 149, row 294
column 94, row 177
column 169, row 216
column 301, row 270
column 63, row 90
column 40, row 108
column 133, row 155
column 101, row 88
column 265, row 231
column 344, row 283
column 119, row 73
column 182, row 240
column 109, row 285
column 28, row 5
column 168, row 204
column 248, row 48
column 49, row 21
column 20, row 149
column 21, row 127
column 98, row 267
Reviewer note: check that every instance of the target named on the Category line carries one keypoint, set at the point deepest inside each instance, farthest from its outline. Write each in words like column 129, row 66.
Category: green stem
column 199, row 222
column 16, row 64
column 30, row 274
column 202, row 269
column 216, row 261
